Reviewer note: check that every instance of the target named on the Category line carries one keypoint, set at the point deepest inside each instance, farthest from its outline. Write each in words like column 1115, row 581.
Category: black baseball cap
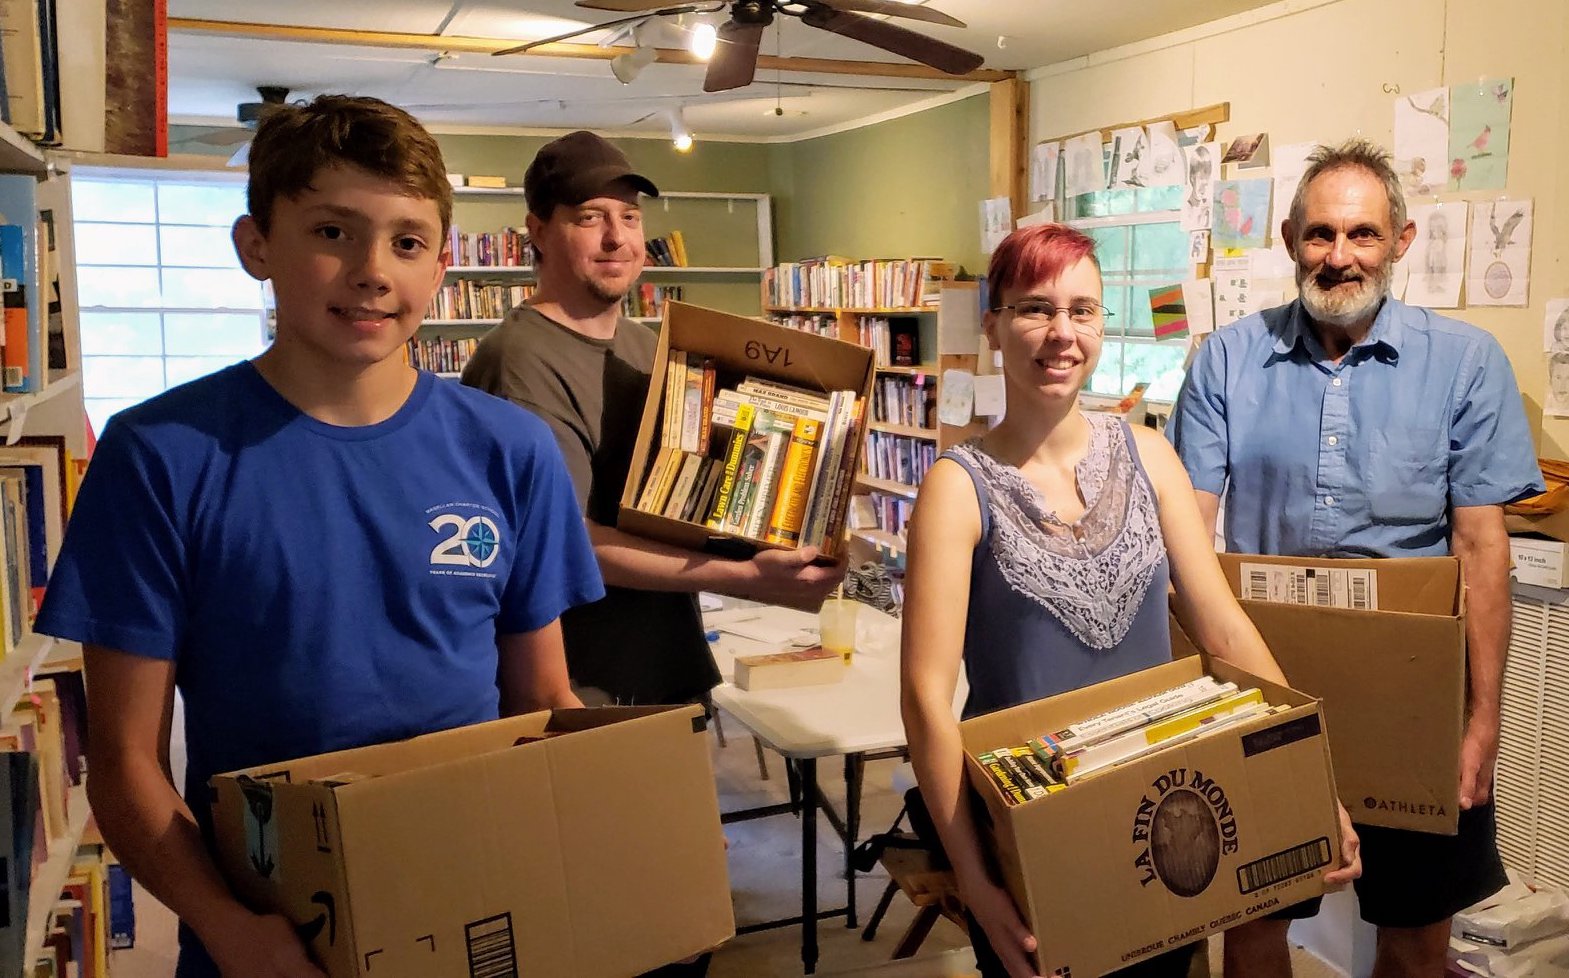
column 577, row 167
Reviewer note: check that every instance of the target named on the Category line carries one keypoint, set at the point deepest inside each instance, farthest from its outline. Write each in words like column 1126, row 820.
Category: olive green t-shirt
column 641, row 647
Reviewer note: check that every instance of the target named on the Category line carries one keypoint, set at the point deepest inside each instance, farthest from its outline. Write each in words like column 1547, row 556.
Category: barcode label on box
column 1318, row 587
column 1283, row 865
column 491, row 951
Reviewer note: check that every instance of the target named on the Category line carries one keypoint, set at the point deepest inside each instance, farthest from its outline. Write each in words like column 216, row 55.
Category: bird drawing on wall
column 1438, row 109
column 1480, row 142
column 1503, row 237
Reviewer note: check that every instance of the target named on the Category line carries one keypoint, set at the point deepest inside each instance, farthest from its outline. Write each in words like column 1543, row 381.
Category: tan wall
column 1317, row 70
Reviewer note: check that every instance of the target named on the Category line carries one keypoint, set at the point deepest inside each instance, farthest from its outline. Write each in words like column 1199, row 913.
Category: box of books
column 1382, row 643
column 1140, row 814
column 567, row 842
column 751, row 436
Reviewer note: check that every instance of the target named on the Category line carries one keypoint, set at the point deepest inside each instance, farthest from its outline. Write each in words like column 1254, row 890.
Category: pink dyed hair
column 1036, row 254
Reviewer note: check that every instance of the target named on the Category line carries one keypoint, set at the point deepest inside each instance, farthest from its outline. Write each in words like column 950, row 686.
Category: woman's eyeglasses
column 1089, row 318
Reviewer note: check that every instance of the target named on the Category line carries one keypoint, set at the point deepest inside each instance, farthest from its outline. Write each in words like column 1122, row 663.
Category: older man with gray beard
column 1348, row 423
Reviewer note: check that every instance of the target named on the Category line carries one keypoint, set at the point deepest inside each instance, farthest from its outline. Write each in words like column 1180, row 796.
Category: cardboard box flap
column 1419, row 585
column 751, row 346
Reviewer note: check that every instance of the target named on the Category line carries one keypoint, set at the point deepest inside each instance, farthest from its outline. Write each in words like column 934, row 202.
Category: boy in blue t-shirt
column 321, row 548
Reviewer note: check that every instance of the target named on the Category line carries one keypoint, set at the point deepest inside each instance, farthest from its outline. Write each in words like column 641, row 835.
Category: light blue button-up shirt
column 1362, row 457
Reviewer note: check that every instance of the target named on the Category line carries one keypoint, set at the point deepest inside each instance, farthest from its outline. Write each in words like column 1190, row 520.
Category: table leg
column 854, row 771
column 808, row 778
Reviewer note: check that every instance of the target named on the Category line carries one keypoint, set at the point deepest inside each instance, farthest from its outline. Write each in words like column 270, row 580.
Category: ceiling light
column 680, row 134
column 627, row 67
column 705, row 38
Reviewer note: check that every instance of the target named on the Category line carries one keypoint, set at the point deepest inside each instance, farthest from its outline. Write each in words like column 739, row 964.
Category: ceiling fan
column 734, row 63
column 249, row 115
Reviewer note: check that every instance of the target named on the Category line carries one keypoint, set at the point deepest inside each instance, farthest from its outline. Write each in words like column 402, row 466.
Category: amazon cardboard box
column 1165, row 849
column 738, row 348
column 1382, row 644
column 573, row 842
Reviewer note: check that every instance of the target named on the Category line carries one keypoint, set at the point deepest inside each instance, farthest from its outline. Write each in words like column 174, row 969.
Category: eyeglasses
column 1087, row 317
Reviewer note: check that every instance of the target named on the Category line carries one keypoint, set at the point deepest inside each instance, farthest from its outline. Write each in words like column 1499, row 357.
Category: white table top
column 859, row 713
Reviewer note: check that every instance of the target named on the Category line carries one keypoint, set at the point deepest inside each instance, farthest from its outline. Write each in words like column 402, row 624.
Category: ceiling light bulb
column 680, row 134
column 705, row 38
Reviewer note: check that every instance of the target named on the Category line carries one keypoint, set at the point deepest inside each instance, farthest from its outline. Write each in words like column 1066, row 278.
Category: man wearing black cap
column 570, row 357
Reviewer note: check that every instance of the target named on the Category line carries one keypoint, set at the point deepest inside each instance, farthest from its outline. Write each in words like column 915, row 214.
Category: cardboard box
column 742, row 346
column 1392, row 681
column 1163, row 850
column 594, row 852
column 1544, row 563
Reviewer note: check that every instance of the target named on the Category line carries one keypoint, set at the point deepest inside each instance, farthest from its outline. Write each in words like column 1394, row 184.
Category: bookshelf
column 37, row 195
column 729, row 240
column 904, row 434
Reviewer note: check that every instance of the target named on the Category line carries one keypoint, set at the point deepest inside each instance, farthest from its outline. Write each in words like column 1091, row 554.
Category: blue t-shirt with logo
column 319, row 587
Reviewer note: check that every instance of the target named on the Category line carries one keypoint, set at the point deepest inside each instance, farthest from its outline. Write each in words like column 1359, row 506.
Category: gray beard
column 1344, row 312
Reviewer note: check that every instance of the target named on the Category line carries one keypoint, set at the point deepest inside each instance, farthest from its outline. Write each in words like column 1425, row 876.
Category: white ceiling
column 209, row 75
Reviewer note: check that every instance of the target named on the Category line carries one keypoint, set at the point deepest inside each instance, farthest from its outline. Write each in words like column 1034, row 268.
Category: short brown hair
column 295, row 142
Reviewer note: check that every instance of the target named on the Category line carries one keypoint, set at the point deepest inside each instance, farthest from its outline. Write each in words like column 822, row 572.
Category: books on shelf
column 834, row 282
column 468, row 299
column 759, row 459
column 506, row 248
column 894, row 341
column 816, row 323
column 668, row 250
column 907, row 401
column 440, row 354
column 898, row 458
column 1055, row 760
column 647, row 301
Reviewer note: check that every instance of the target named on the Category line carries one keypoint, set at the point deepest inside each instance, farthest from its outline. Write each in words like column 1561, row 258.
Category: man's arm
column 1209, row 510
column 1481, row 543
column 533, row 671
column 785, row 577
column 152, row 830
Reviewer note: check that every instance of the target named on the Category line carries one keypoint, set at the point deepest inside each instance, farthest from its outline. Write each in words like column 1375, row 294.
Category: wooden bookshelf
column 926, row 434
column 880, row 538
column 853, row 310
column 18, row 154
column 908, row 371
column 888, row 485
column 44, row 893
column 527, row 271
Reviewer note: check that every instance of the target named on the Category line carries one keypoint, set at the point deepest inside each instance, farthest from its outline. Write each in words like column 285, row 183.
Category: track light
column 627, row 67
column 705, row 38
column 679, row 133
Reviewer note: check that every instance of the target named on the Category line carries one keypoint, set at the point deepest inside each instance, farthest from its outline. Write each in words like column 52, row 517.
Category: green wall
column 909, row 186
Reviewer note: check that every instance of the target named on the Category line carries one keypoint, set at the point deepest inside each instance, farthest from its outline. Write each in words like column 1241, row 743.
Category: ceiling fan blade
column 894, row 9
column 625, row 6
column 735, row 60
column 634, row 19
column 895, row 39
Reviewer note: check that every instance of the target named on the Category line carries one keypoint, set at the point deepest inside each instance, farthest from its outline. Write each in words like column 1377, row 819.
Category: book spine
column 683, row 486
column 692, row 403
column 706, row 407
column 844, row 481
column 784, row 523
column 768, row 479
column 727, row 484
column 1022, row 777
column 1011, row 792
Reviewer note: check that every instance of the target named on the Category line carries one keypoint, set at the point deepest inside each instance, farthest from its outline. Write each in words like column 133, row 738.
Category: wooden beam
column 1010, row 128
column 1211, row 115
column 437, row 43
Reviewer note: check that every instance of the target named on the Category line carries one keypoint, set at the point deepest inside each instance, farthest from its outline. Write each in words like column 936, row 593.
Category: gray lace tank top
column 1054, row 606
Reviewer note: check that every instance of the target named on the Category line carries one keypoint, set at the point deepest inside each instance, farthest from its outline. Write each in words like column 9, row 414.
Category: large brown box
column 596, row 852
column 1166, row 849
column 742, row 346
column 1392, row 682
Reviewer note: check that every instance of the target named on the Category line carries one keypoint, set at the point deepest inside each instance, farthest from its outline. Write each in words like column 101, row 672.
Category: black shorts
column 1172, row 964
column 1414, row 879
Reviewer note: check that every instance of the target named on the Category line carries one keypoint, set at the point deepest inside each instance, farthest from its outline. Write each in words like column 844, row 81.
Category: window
column 1141, row 245
column 162, row 294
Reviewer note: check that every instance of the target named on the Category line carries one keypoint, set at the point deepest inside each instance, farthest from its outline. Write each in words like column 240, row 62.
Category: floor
column 764, row 877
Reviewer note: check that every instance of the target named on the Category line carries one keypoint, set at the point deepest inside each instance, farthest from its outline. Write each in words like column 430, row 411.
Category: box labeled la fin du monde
column 1166, row 849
